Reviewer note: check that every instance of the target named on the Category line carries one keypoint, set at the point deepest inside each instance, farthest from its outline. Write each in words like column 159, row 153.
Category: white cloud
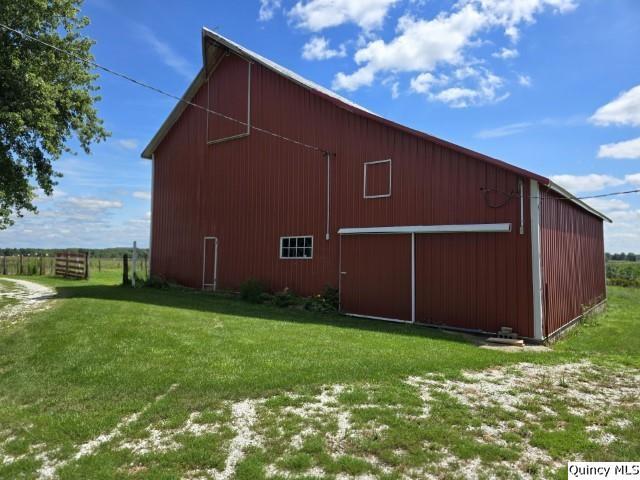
column 268, row 9
column 625, row 216
column 515, row 128
column 316, row 15
column 608, row 205
column 92, row 203
column 142, row 195
column 317, row 48
column 511, row 13
column 469, row 86
column 395, row 90
column 506, row 53
column 363, row 76
column 524, row 80
column 427, row 44
column 624, row 110
column 586, row 183
column 128, row 143
column 633, row 179
column 168, row 55
column 504, row 131
column 626, row 149
column 424, row 82
column 87, row 222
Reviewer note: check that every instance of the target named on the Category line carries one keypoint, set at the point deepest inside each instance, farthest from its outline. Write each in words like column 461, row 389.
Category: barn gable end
column 280, row 161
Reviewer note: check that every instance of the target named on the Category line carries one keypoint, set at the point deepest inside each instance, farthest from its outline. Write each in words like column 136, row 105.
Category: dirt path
column 30, row 297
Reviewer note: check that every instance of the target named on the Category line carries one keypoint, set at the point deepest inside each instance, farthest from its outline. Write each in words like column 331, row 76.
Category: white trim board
column 464, row 228
column 364, row 188
column 536, row 267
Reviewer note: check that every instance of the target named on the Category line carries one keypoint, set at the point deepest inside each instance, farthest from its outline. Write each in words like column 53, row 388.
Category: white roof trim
column 465, row 228
column 565, row 193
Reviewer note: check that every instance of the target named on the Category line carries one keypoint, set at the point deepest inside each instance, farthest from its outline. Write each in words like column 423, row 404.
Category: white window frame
column 364, row 187
column 280, row 247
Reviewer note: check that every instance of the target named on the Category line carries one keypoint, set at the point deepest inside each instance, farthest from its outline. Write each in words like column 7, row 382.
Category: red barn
column 267, row 175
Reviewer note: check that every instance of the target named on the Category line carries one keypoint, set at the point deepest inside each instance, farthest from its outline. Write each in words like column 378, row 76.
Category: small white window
column 377, row 179
column 296, row 247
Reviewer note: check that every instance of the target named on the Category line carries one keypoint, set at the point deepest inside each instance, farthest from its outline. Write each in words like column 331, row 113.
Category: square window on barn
column 296, row 247
column 377, row 179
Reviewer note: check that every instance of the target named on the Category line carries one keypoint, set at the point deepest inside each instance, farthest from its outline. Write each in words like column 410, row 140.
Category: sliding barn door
column 376, row 276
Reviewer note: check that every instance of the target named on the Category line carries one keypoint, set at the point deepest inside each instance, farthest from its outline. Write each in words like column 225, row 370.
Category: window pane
column 285, row 252
column 285, row 242
column 307, row 252
column 300, row 252
column 307, row 241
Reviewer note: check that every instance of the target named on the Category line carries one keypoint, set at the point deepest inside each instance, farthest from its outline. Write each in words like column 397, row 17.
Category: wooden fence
column 72, row 265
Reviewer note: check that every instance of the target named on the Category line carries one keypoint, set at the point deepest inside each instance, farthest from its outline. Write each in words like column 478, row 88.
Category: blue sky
column 549, row 85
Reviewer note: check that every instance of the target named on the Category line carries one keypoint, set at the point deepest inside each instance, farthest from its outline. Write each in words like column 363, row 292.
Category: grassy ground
column 6, row 287
column 298, row 395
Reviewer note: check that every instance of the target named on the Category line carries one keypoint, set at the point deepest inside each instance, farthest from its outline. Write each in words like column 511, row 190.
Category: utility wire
column 626, row 192
column 160, row 91
column 511, row 195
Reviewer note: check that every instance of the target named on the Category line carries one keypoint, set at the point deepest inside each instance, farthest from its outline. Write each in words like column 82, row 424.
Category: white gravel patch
column 244, row 417
column 527, row 392
column 30, row 297
column 49, row 467
column 164, row 440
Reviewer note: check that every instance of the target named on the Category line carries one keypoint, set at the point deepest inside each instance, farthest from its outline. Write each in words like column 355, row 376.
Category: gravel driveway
column 29, row 297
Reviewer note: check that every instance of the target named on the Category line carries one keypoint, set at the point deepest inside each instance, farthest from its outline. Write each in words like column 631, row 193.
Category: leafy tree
column 46, row 97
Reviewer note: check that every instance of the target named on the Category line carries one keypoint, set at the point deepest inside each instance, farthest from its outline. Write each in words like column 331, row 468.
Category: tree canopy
column 46, row 98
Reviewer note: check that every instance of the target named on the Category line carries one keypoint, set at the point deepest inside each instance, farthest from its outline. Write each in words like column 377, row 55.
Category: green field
column 623, row 273
column 149, row 383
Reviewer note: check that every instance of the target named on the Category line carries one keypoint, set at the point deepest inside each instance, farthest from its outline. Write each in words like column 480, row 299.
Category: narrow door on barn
column 376, row 276
column 210, row 264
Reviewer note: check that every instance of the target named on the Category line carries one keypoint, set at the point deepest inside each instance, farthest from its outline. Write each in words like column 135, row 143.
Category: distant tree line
column 629, row 257
column 93, row 252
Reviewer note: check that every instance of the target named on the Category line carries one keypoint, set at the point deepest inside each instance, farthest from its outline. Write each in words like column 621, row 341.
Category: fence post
column 66, row 267
column 4, row 264
column 99, row 265
column 133, row 266
column 86, row 265
column 20, row 264
column 125, row 269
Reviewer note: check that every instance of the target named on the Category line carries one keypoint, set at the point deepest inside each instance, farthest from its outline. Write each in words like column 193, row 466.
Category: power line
column 626, row 192
column 160, row 91
column 514, row 194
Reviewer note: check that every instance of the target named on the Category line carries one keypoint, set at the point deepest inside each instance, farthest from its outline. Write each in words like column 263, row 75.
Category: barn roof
column 214, row 45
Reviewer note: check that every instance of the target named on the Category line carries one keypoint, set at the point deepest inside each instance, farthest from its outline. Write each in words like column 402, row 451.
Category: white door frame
column 215, row 263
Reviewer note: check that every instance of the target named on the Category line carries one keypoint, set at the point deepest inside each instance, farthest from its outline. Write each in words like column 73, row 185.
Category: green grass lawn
column 324, row 395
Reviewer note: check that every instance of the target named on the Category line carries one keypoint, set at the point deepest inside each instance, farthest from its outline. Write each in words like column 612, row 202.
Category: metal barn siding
column 472, row 281
column 251, row 191
column 376, row 276
column 245, row 193
column 572, row 260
